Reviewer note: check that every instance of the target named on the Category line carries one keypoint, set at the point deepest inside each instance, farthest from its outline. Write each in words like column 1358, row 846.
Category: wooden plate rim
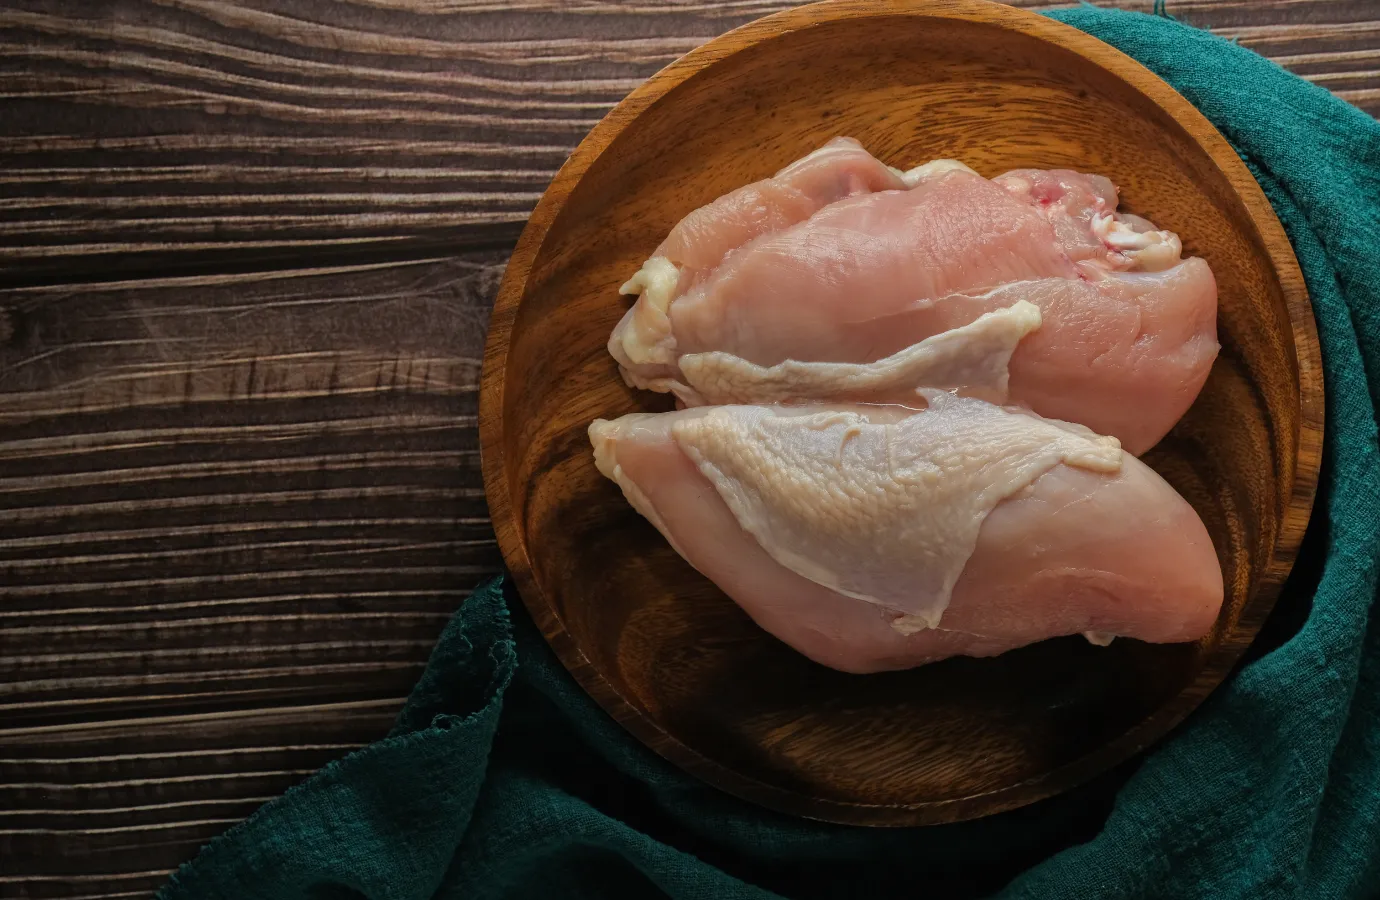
column 1270, row 235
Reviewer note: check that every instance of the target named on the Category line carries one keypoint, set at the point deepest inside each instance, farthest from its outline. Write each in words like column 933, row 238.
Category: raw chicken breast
column 1129, row 328
column 839, row 169
column 1082, row 209
column 700, row 241
column 876, row 538
column 777, row 296
column 1128, row 353
column 972, row 359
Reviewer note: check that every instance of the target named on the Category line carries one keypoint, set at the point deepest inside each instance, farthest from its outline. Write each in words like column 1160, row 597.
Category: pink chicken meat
column 861, row 262
column 879, row 538
column 839, row 169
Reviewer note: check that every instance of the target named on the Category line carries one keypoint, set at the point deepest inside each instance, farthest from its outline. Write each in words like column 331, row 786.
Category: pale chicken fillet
column 777, row 296
column 841, row 168
column 1129, row 332
column 1127, row 354
column 1082, row 210
column 1084, row 539
column 699, row 242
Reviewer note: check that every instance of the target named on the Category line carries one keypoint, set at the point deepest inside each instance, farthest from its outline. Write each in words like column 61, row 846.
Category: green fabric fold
column 503, row 779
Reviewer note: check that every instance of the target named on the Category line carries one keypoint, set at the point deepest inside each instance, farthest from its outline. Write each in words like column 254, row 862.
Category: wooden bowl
column 667, row 654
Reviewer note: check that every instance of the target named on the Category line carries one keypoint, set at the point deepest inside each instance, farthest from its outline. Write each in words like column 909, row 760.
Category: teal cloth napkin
column 502, row 779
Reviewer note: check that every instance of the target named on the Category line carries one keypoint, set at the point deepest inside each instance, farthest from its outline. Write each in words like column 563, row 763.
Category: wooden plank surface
column 246, row 256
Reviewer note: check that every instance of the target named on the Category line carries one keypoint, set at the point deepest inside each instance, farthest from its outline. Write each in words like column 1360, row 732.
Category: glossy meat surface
column 1128, row 331
column 961, row 529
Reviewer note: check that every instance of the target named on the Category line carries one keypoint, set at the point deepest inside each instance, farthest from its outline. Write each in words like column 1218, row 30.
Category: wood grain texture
column 200, row 476
column 178, row 178
column 196, row 133
column 675, row 660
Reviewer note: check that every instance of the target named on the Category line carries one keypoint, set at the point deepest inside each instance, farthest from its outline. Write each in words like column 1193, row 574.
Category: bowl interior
column 676, row 660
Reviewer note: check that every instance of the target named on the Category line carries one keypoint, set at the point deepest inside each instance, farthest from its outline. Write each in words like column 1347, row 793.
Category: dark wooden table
column 247, row 252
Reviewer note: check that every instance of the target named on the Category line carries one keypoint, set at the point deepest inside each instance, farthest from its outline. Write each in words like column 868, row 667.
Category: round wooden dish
column 658, row 645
